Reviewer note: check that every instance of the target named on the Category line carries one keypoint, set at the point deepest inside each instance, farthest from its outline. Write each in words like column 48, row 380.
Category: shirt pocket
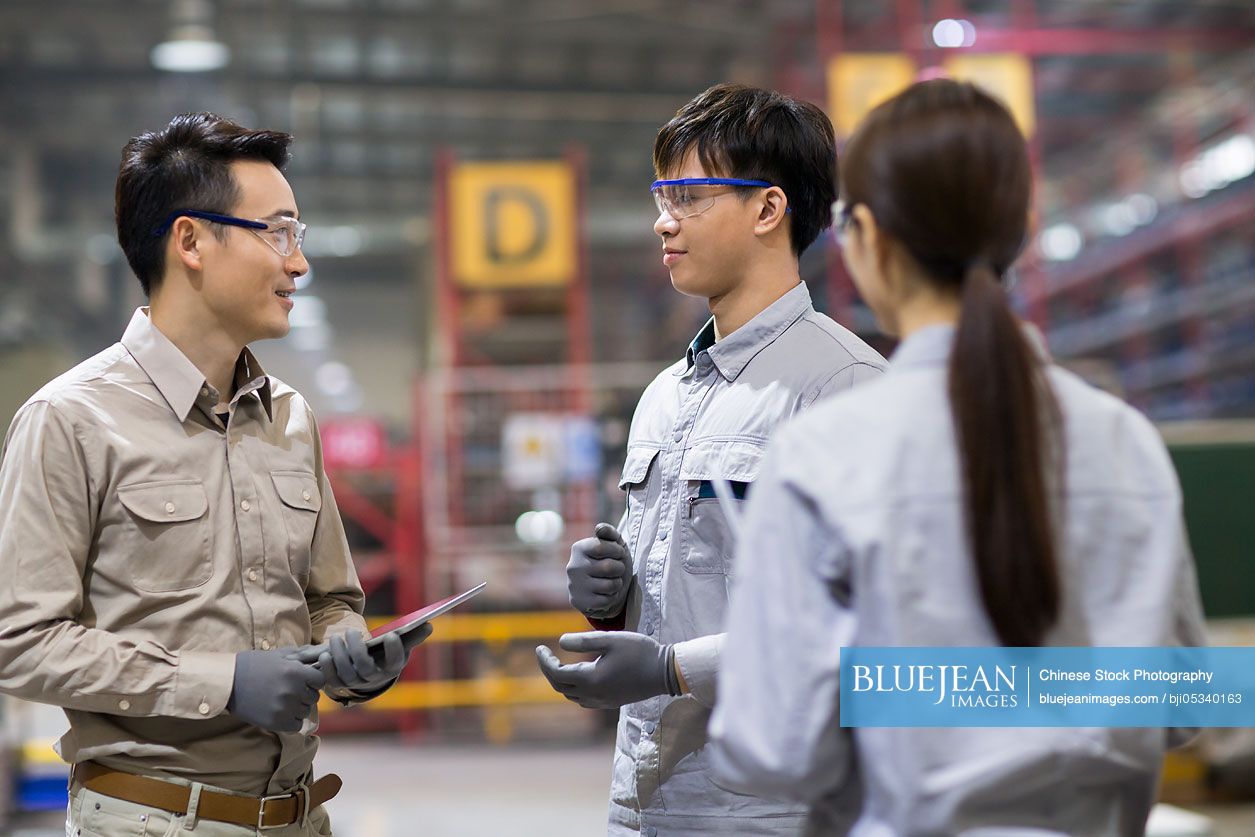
column 633, row 481
column 707, row 545
column 301, row 500
column 167, row 534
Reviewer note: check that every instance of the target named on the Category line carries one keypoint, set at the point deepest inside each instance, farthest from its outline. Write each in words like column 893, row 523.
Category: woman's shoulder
column 1109, row 438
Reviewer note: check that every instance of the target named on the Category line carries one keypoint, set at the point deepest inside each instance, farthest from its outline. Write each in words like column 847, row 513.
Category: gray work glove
column 351, row 668
column 632, row 667
column 599, row 574
column 273, row 690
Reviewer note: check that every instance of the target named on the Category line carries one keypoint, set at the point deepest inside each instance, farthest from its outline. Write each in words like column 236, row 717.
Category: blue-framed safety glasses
column 689, row 196
column 284, row 235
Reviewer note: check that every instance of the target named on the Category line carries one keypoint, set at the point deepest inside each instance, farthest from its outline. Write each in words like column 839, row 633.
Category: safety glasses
column 689, row 196
column 284, row 235
column 842, row 214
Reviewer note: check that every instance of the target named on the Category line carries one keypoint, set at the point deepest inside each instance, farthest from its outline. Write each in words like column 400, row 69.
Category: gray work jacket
column 709, row 415
column 855, row 536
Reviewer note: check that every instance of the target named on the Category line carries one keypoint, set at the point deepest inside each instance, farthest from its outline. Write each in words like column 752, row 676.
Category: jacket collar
column 733, row 353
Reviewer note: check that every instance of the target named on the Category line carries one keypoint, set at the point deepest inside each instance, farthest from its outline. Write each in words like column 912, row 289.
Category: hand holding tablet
column 412, row 628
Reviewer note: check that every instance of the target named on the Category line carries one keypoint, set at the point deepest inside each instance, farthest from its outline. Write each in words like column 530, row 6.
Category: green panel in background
column 1216, row 464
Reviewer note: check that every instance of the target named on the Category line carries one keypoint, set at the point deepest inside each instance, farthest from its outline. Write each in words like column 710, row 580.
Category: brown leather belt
column 260, row 813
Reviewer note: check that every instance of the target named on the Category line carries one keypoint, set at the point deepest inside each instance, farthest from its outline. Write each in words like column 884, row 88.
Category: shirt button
column 203, row 709
column 647, row 627
column 305, row 495
column 679, row 434
column 244, row 505
column 169, row 508
column 252, row 575
column 649, row 727
column 265, row 645
column 650, row 831
column 204, row 390
column 124, row 705
column 662, row 534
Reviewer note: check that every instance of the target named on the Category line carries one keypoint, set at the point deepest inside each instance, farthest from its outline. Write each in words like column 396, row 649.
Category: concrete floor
column 397, row 790
column 467, row 791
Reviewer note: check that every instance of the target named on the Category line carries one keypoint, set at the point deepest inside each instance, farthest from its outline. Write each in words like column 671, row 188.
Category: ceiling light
column 952, row 34
column 192, row 46
column 1060, row 243
column 948, row 34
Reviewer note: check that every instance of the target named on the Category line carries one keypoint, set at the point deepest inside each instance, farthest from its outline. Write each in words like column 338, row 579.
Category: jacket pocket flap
column 719, row 459
column 636, row 466
column 165, row 502
column 297, row 489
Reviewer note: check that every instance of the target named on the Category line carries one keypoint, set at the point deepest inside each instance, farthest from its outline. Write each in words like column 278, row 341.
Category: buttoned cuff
column 698, row 660
column 202, row 685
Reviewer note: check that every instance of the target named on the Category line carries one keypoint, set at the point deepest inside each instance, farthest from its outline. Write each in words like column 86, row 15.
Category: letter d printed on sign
column 513, row 224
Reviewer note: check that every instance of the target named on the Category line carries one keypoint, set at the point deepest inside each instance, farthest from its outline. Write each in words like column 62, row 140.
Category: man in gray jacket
column 748, row 180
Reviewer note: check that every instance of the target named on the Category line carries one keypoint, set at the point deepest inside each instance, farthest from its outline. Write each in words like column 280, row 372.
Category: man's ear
column 186, row 236
column 773, row 205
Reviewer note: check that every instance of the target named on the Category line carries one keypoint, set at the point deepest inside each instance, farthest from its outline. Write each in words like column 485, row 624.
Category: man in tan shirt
column 168, row 535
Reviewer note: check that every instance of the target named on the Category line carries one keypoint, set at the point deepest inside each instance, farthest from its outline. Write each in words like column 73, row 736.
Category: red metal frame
column 1038, row 42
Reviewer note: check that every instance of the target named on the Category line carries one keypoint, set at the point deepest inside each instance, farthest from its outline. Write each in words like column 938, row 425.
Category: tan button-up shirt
column 143, row 542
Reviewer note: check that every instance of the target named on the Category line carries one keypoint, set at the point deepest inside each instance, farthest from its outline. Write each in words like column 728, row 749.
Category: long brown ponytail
column 945, row 172
column 997, row 396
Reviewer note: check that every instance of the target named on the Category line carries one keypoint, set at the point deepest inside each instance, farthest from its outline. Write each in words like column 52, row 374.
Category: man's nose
column 666, row 224
column 297, row 265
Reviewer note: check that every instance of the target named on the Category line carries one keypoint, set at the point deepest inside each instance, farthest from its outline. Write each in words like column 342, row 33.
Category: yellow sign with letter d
column 513, row 224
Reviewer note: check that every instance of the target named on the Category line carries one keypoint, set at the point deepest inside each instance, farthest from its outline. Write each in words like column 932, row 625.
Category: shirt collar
column 733, row 353
column 930, row 346
column 250, row 377
column 177, row 378
column 702, row 342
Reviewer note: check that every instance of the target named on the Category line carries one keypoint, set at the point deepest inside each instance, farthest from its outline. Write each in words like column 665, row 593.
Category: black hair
column 755, row 134
column 185, row 165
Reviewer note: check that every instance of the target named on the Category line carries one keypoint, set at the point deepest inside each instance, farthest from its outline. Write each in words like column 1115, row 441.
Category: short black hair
column 746, row 132
column 185, row 165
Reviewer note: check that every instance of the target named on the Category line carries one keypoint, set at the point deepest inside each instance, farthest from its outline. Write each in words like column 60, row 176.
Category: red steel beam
column 1038, row 42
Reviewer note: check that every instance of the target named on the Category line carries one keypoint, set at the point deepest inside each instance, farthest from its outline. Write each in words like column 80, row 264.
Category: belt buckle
column 261, row 812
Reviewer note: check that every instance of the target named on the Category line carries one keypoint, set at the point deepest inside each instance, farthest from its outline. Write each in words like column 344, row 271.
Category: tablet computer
column 400, row 626
column 407, row 624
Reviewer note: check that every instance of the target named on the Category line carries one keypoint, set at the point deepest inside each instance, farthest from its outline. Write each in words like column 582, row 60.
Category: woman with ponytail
column 975, row 495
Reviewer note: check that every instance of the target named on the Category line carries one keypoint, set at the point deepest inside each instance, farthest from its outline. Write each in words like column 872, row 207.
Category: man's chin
column 275, row 331
column 689, row 286
column 710, row 293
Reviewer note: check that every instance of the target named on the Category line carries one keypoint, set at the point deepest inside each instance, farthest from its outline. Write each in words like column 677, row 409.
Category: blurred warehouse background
column 486, row 300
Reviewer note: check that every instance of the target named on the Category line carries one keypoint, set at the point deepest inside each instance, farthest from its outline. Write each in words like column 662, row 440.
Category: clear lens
column 284, row 235
column 841, row 222
column 685, row 201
